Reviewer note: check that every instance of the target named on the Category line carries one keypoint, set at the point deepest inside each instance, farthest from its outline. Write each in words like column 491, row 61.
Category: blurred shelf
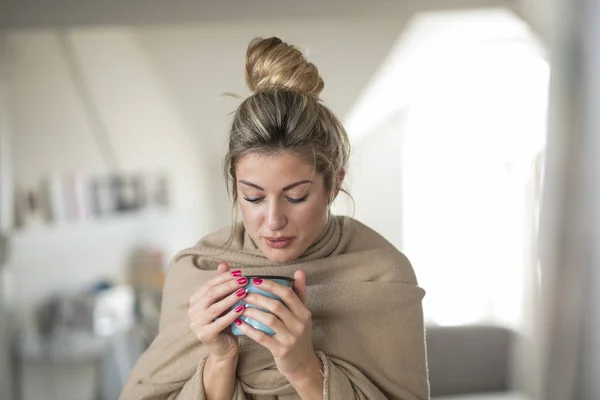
column 94, row 224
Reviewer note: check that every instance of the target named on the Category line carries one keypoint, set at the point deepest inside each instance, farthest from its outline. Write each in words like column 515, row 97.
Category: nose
column 276, row 219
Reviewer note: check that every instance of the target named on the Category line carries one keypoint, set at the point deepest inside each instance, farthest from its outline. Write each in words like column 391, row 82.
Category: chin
column 280, row 256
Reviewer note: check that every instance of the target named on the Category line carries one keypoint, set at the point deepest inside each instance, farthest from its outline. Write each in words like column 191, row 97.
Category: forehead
column 277, row 167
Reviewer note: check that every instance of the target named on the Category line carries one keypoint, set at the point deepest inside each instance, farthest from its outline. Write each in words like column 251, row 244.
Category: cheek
column 250, row 214
column 312, row 217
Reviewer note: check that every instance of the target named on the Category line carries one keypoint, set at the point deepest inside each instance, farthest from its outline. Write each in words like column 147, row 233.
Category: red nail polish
column 242, row 281
column 241, row 292
column 239, row 308
column 257, row 281
column 238, row 322
column 237, row 272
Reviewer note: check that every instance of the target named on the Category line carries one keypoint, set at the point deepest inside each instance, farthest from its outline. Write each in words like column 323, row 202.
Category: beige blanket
column 367, row 321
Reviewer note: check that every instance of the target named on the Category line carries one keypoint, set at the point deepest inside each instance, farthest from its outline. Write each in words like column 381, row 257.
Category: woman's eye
column 297, row 201
column 292, row 200
column 254, row 200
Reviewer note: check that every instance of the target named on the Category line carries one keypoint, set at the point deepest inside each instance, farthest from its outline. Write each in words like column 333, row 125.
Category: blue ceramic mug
column 289, row 282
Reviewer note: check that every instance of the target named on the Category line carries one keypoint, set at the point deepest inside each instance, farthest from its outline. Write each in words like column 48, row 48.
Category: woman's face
column 284, row 206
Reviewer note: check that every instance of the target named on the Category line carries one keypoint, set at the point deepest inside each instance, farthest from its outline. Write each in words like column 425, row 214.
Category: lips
column 278, row 242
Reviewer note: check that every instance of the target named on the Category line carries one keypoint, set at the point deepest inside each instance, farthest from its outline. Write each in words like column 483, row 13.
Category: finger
column 300, row 285
column 282, row 333
column 216, row 310
column 223, row 267
column 214, row 294
column 215, row 281
column 209, row 332
column 286, row 294
column 275, row 307
column 259, row 337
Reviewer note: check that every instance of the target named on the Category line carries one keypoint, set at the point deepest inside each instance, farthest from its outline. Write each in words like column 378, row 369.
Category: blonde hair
column 285, row 114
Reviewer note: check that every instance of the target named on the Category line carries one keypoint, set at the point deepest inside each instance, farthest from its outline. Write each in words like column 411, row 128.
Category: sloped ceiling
column 27, row 13
column 61, row 13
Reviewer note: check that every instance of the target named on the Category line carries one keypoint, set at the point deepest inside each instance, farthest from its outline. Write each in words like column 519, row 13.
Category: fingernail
column 237, row 272
column 241, row 292
column 238, row 322
column 240, row 308
column 242, row 281
column 257, row 281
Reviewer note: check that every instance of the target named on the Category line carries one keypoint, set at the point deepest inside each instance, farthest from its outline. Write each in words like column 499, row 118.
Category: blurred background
column 475, row 152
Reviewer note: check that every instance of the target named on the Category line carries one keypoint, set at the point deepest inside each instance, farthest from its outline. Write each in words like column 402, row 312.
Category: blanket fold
column 367, row 321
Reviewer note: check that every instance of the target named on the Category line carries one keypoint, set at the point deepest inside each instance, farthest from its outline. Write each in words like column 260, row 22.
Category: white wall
column 46, row 111
column 376, row 177
column 54, row 135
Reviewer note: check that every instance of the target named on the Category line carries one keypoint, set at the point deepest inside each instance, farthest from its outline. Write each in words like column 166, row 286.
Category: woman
column 352, row 325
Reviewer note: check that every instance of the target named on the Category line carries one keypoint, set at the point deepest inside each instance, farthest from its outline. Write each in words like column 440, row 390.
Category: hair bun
column 273, row 64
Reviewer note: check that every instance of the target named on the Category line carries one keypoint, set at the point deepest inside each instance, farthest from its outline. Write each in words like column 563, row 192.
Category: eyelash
column 258, row 200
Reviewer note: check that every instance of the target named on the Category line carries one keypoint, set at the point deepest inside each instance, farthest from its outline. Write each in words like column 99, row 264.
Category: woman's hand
column 291, row 346
column 214, row 300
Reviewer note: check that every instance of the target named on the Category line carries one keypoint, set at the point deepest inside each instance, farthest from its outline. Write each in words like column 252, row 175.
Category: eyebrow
column 285, row 189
